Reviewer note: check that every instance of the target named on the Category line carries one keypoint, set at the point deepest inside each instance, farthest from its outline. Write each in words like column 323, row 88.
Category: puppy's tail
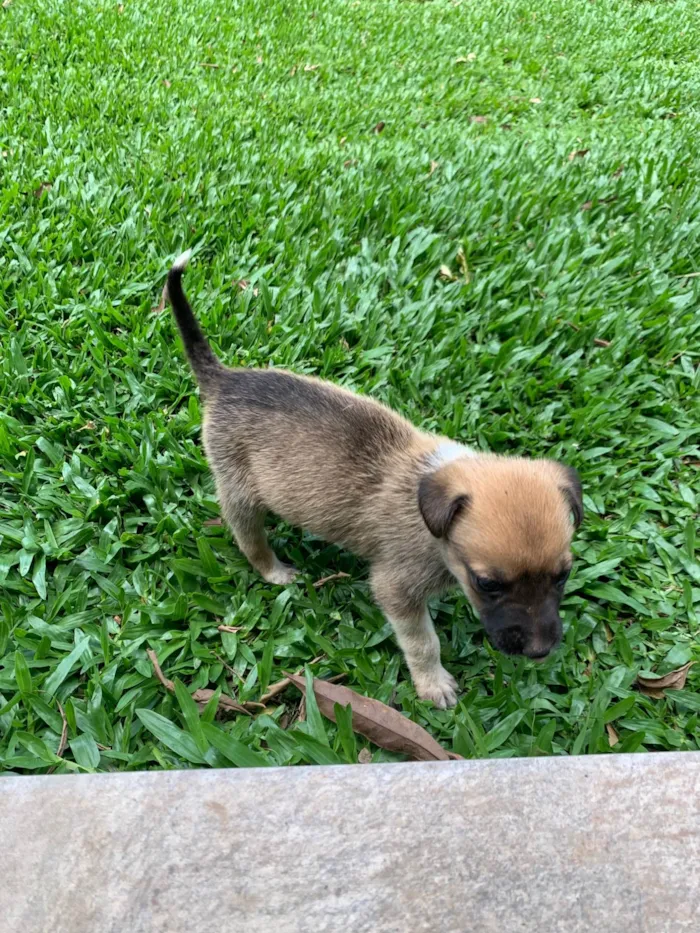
column 205, row 365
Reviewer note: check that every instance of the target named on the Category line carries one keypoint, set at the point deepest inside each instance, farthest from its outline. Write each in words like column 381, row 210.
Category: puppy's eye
column 562, row 577
column 487, row 586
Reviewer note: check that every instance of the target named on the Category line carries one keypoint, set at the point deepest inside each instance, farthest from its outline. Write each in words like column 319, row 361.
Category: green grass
column 274, row 175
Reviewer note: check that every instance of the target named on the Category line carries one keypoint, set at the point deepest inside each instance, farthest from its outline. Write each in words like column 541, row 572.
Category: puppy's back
column 314, row 453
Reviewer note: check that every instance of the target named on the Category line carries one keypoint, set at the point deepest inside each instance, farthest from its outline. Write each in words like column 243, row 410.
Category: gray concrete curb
column 609, row 843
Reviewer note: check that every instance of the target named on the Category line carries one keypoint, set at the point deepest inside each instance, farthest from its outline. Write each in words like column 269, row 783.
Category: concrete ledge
column 572, row 844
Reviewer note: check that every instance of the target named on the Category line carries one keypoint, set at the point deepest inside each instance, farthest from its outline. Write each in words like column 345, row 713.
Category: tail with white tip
column 205, row 365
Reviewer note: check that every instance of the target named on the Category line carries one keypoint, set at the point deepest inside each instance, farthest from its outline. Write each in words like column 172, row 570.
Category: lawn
column 485, row 214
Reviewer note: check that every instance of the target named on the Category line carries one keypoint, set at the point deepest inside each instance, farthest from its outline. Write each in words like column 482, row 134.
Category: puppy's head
column 506, row 526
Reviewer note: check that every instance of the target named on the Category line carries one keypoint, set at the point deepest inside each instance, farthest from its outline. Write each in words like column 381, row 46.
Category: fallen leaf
column 117, row 619
column 587, row 205
column 163, row 300
column 334, row 576
column 44, row 186
column 166, row 82
column 201, row 695
column 293, row 71
column 463, row 59
column 6, row 3
column 348, row 163
column 229, row 628
column 578, row 154
column 446, row 274
column 379, row 127
column 535, row 100
column 378, row 722
column 433, row 167
column 210, row 522
column 463, row 267
column 479, row 119
column 311, row 67
column 88, row 426
column 208, row 65
column 243, row 284
column 343, row 140
column 613, row 737
column 599, row 342
column 365, row 756
column 674, row 680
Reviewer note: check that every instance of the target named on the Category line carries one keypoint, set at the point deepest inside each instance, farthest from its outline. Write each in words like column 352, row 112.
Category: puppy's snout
column 534, row 639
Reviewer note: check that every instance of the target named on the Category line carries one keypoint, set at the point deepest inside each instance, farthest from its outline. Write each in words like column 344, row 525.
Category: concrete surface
column 608, row 844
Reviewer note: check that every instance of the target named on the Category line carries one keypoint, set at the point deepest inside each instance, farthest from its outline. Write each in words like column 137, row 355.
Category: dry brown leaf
column 378, row 722
column 378, row 127
column 535, row 100
column 446, row 274
column 578, row 154
column 230, row 628
column 44, row 186
column 281, row 685
column 166, row 82
column 210, row 522
column 599, row 342
column 343, row 140
column 674, row 680
column 463, row 59
column 365, row 756
column 479, row 119
column 334, row 576
column 117, row 619
column 463, row 265
column 433, row 167
column 88, row 426
column 587, row 205
column 311, row 67
column 613, row 737
column 157, row 309
column 201, row 695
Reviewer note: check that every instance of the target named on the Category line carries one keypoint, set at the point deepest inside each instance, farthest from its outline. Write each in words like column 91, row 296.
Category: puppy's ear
column 439, row 504
column 573, row 493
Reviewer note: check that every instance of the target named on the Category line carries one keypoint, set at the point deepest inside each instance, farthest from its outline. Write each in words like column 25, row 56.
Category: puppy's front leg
column 417, row 638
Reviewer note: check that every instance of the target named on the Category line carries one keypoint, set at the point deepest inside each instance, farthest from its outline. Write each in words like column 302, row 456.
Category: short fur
column 423, row 510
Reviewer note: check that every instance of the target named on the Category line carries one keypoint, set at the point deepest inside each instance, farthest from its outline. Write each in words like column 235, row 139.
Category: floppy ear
column 573, row 493
column 438, row 504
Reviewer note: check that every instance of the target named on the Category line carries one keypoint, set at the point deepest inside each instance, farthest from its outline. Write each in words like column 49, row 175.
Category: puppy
column 424, row 510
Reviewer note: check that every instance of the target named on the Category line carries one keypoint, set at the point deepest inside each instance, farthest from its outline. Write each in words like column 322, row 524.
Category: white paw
column 281, row 573
column 439, row 686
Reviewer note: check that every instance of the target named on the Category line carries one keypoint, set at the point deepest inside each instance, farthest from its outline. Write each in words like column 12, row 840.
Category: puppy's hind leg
column 247, row 523
column 416, row 636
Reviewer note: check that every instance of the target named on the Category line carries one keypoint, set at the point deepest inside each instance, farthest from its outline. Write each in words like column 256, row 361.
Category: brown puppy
column 422, row 509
